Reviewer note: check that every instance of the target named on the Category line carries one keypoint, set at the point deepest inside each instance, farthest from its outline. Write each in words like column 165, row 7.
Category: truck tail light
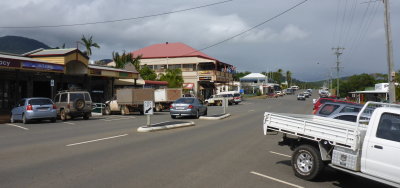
column 29, row 108
column 190, row 106
column 54, row 106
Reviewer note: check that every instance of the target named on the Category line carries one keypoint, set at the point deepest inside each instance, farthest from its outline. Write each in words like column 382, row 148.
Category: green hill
column 19, row 45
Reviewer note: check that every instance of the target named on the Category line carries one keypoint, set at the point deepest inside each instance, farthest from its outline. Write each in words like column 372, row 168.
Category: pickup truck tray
column 336, row 132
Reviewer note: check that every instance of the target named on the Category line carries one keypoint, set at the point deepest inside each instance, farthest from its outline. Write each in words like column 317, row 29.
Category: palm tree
column 89, row 44
column 279, row 76
column 288, row 77
column 126, row 58
column 173, row 77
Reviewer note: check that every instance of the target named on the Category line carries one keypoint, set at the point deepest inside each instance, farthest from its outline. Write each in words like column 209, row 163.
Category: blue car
column 37, row 108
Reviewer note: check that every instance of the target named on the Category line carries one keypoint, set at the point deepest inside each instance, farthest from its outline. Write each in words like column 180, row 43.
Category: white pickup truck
column 369, row 148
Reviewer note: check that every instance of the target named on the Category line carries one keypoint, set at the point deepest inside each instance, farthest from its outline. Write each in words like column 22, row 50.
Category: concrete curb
column 215, row 118
column 154, row 127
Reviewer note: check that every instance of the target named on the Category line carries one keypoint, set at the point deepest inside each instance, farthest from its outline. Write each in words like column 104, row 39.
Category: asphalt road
column 108, row 152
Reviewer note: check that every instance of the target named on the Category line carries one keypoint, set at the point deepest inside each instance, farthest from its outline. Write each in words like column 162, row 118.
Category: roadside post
column 52, row 88
column 225, row 104
column 148, row 111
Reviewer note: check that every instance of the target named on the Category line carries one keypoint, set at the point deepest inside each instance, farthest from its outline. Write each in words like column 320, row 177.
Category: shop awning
column 188, row 85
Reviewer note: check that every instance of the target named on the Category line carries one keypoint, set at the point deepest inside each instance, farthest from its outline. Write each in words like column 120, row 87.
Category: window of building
column 189, row 67
column 176, row 66
column 160, row 67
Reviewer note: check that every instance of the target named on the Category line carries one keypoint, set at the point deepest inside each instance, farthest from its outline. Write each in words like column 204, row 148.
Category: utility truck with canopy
column 368, row 148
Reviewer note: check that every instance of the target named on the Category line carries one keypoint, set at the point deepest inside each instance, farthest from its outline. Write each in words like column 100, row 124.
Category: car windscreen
column 76, row 96
column 185, row 100
column 327, row 109
column 40, row 102
column 236, row 95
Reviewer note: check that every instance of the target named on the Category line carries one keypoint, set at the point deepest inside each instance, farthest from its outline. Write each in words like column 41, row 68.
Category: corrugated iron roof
column 53, row 52
column 170, row 50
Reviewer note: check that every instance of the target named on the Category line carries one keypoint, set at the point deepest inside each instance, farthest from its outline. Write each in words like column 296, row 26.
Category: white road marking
column 17, row 126
column 69, row 123
column 278, row 180
column 100, row 139
column 111, row 119
column 280, row 154
column 251, row 110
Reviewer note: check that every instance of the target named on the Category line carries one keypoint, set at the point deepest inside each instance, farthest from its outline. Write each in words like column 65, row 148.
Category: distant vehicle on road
column 295, row 87
column 307, row 94
column 301, row 97
column 37, row 108
column 217, row 99
column 188, row 106
column 237, row 97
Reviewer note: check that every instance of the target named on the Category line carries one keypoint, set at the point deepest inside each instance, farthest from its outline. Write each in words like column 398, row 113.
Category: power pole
column 338, row 52
column 391, row 72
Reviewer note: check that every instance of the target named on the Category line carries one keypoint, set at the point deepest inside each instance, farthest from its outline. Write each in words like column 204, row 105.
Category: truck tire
column 306, row 162
column 158, row 108
column 107, row 110
column 79, row 104
column 123, row 110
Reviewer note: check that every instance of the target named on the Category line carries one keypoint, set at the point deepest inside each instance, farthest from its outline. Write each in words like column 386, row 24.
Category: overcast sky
column 300, row 40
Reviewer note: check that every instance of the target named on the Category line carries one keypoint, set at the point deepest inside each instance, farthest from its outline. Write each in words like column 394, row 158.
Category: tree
column 173, row 77
column 279, row 77
column 126, row 58
column 239, row 75
column 89, row 44
column 288, row 77
column 355, row 83
column 147, row 73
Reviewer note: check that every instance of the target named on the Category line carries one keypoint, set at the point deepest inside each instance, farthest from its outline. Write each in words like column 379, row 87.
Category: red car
column 321, row 101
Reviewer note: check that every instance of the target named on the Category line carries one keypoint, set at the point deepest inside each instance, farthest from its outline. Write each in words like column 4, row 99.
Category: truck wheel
column 306, row 162
column 107, row 110
column 158, row 108
column 63, row 116
column 123, row 112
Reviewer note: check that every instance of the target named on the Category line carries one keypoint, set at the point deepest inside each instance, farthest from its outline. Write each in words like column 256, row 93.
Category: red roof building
column 198, row 68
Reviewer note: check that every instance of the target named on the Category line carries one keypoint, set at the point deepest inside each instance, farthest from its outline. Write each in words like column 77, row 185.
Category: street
column 107, row 151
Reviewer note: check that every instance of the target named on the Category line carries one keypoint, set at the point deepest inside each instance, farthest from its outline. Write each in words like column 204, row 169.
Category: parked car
column 330, row 108
column 217, row 99
column 301, row 97
column 237, row 98
column 37, row 108
column 71, row 104
column 188, row 106
column 321, row 101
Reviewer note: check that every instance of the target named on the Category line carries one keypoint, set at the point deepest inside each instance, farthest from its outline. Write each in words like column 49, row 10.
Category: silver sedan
column 188, row 106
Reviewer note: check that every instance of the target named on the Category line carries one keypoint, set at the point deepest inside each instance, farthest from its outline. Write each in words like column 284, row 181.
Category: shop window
column 189, row 67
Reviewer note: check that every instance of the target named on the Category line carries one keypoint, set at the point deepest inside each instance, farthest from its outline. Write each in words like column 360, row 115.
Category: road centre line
column 118, row 119
column 275, row 179
column 96, row 140
column 69, row 123
column 280, row 154
column 17, row 126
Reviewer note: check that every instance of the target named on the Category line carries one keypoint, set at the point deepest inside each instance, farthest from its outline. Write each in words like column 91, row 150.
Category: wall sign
column 42, row 66
column 9, row 63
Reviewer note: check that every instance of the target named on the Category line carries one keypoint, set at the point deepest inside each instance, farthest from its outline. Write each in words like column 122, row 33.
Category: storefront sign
column 205, row 72
column 9, row 63
column 95, row 72
column 42, row 66
column 204, row 77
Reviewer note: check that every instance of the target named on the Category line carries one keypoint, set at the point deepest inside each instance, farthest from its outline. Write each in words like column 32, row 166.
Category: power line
column 112, row 21
column 258, row 25
column 241, row 33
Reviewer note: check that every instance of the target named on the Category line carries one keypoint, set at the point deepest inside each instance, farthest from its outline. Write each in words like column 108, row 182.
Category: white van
column 237, row 97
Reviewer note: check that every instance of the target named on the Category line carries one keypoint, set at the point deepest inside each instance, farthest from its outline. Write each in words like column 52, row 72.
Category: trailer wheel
column 306, row 162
